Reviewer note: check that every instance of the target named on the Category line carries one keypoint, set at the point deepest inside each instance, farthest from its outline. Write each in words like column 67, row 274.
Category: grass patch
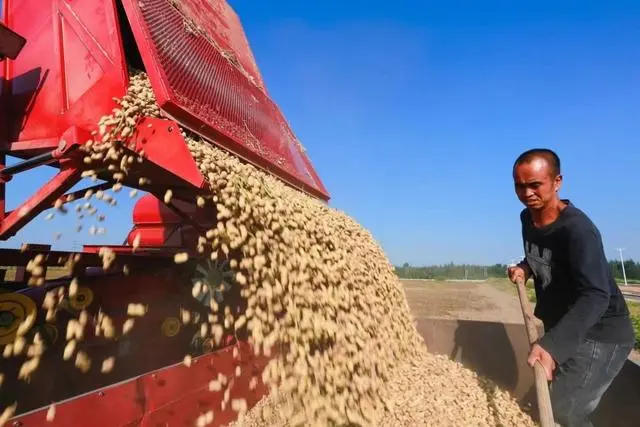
column 634, row 309
column 620, row 281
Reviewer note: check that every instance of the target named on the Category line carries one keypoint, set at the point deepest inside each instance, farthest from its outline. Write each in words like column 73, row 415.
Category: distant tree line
column 474, row 271
column 451, row 271
column 631, row 268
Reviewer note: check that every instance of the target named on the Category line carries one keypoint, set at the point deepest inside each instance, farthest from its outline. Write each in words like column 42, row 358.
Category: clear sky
column 413, row 112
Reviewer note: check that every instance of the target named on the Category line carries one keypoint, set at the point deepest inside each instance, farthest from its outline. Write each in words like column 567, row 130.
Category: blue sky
column 413, row 112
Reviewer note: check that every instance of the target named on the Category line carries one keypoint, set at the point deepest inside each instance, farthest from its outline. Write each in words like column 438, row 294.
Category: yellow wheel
column 15, row 309
column 82, row 299
column 170, row 326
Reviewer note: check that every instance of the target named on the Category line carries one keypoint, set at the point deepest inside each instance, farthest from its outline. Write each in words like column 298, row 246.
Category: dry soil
column 490, row 301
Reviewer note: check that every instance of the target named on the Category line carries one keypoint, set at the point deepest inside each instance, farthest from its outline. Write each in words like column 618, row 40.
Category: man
column 588, row 332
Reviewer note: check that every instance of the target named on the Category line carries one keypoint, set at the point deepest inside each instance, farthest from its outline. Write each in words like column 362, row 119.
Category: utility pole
column 624, row 274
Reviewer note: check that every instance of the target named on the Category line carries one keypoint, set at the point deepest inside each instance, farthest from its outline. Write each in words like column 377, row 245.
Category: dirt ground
column 491, row 301
column 494, row 300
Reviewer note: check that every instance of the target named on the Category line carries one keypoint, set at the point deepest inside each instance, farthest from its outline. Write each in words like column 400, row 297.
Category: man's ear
column 557, row 183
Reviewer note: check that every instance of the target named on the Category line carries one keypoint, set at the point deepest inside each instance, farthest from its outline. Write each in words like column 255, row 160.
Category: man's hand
column 516, row 273
column 539, row 354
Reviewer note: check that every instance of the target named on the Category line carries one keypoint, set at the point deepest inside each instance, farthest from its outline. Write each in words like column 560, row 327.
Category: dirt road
column 491, row 301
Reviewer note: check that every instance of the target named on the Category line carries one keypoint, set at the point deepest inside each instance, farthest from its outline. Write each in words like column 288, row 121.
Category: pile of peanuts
column 321, row 291
column 321, row 299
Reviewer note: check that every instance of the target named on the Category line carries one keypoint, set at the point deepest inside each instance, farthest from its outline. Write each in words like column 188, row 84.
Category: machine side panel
column 147, row 382
column 205, row 87
column 70, row 68
column 220, row 23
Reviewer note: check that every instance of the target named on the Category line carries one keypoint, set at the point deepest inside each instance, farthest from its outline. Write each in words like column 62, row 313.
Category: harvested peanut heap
column 318, row 289
column 321, row 299
column 321, row 290
column 426, row 391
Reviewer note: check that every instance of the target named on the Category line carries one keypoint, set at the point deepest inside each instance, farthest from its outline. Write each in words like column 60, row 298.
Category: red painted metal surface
column 149, row 385
column 73, row 64
column 52, row 96
column 178, row 396
column 67, row 73
column 172, row 164
column 150, row 210
column 119, row 405
column 57, row 89
column 223, row 26
column 167, row 164
column 198, row 59
column 174, row 396
column 56, row 187
column 200, row 86
column 156, row 225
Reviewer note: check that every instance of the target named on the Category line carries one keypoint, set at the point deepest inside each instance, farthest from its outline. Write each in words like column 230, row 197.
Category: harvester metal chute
column 75, row 62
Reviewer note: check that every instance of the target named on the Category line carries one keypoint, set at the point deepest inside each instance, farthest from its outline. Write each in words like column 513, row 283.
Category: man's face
column 536, row 184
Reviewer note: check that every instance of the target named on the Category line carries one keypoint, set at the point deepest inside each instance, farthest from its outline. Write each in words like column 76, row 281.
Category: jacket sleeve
column 589, row 271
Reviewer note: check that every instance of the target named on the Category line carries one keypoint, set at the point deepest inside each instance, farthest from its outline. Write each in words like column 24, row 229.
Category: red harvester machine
column 63, row 62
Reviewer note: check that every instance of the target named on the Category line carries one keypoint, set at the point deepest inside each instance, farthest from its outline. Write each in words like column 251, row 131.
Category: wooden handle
column 539, row 374
column 542, row 392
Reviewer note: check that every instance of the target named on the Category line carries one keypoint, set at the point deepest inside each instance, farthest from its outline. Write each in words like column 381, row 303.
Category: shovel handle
column 540, row 376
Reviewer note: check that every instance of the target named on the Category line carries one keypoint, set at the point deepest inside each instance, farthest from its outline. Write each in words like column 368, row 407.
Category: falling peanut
column 28, row 368
column 83, row 362
column 136, row 309
column 107, row 365
column 239, row 405
column 136, row 241
column 127, row 326
column 75, row 330
column 181, row 257
column 7, row 414
column 73, row 287
column 167, row 196
column 51, row 413
column 215, row 385
column 187, row 360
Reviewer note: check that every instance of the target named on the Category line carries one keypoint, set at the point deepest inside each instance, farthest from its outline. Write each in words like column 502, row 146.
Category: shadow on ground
column 498, row 352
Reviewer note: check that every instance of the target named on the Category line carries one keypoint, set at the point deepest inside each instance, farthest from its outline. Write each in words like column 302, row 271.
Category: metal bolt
column 101, row 394
column 17, row 424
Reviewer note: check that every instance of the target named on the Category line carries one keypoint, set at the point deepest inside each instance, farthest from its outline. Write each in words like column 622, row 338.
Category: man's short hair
column 540, row 153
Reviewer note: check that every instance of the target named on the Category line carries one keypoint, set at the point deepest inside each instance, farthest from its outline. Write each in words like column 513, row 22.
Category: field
column 494, row 300
column 634, row 308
